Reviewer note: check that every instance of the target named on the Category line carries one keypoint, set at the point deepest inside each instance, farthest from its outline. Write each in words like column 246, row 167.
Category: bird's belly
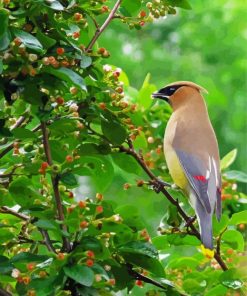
column 175, row 168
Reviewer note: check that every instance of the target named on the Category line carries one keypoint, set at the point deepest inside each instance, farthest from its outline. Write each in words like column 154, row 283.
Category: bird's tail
column 205, row 224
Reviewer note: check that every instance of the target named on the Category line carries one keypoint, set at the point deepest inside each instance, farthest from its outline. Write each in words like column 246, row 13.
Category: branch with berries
column 159, row 186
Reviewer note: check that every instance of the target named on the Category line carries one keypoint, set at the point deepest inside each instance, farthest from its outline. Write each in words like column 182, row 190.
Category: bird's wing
column 198, row 177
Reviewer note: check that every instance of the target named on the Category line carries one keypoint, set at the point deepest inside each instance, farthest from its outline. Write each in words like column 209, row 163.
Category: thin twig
column 100, row 30
column 47, row 240
column 159, row 183
column 138, row 276
column 55, row 183
column 4, row 293
column 219, row 241
column 7, row 210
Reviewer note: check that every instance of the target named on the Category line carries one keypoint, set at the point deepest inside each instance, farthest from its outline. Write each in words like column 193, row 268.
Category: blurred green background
column 206, row 45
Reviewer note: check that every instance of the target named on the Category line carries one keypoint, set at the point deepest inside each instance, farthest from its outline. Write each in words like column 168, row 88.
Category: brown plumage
column 191, row 152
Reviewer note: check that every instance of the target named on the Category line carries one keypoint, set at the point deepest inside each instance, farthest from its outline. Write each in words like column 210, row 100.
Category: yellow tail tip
column 207, row 252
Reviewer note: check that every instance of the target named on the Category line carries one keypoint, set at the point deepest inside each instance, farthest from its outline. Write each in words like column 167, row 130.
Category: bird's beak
column 161, row 96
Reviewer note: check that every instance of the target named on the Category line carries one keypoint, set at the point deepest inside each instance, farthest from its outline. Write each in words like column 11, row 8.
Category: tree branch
column 7, row 210
column 55, row 183
column 4, row 293
column 156, row 182
column 100, row 30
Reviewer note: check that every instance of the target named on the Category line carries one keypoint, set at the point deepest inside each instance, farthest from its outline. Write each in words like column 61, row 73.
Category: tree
column 65, row 113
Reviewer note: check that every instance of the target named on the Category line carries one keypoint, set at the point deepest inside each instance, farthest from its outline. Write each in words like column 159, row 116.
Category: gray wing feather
column 193, row 166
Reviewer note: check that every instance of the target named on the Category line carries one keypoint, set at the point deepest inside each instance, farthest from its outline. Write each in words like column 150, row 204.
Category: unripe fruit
column 102, row 106
column 111, row 282
column 150, row 140
column 32, row 57
column 30, row 266
column 101, row 50
column 119, row 89
column 142, row 23
column 126, row 186
column 106, row 54
column 82, row 204
column 104, row 9
column 60, row 256
column 17, row 41
column 70, row 194
column 84, row 224
column 78, row 16
column 46, row 61
column 73, row 90
column 56, row 168
column 42, row 274
column 26, row 280
column 99, row 196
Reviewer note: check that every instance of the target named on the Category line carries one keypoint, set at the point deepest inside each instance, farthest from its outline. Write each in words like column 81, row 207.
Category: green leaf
column 183, row 262
column 22, row 191
column 138, row 247
column 86, row 61
column 126, row 162
column 32, row 94
column 160, row 242
column 25, row 257
column 1, row 66
column 4, row 20
column 219, row 226
column 131, row 216
column 192, row 286
column 231, row 279
column 177, row 239
column 69, row 179
column 180, row 3
column 28, row 40
column 236, row 176
column 151, row 264
column 5, row 265
column 219, row 290
column 113, row 130
column 234, row 238
column 81, row 274
column 56, row 5
column 130, row 7
column 68, row 75
column 23, row 133
column 228, row 159
column 239, row 218
column 46, row 41
column 144, row 96
column 46, row 224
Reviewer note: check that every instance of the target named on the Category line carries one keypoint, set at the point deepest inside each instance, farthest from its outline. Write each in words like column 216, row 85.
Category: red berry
column 142, row 23
column 119, row 89
column 90, row 254
column 30, row 266
column 142, row 14
column 101, row 50
column 84, row 224
column 76, row 35
column 60, row 100
column 77, row 16
column 102, row 106
column 60, row 256
column 99, row 196
column 44, row 165
column 82, row 204
column 111, row 282
column 70, row 194
column 99, row 209
column 139, row 283
column 69, row 158
column 89, row 262
column 17, row 41
column 60, row 50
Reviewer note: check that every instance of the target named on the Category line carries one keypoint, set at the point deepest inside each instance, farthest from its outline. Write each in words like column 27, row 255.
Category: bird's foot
column 190, row 221
column 158, row 185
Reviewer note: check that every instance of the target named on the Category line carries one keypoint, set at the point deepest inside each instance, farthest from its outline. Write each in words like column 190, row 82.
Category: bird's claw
column 190, row 221
column 158, row 185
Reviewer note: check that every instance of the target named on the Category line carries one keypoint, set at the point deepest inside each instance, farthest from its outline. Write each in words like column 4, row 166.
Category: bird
column 192, row 154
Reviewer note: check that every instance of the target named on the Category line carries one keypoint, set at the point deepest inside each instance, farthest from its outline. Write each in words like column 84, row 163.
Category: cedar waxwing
column 191, row 152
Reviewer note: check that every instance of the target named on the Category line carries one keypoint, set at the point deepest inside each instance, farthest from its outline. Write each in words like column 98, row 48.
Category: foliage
column 66, row 117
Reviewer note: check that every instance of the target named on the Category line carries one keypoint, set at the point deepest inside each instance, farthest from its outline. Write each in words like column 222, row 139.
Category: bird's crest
column 188, row 83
